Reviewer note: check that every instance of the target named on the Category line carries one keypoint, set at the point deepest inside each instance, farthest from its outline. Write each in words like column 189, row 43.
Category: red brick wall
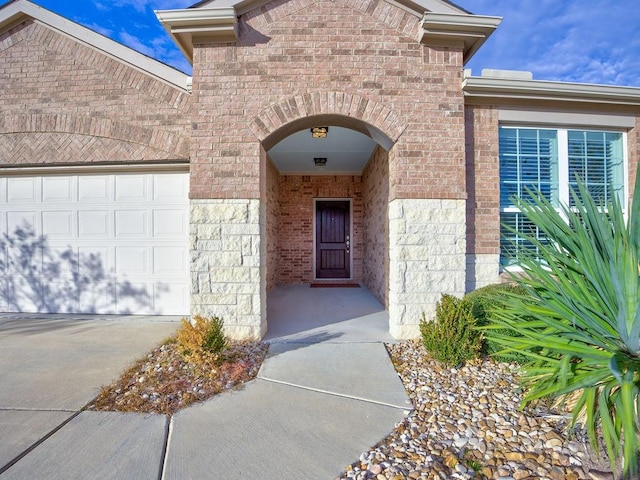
column 64, row 102
column 483, row 180
column 375, row 179
column 297, row 194
column 273, row 224
column 295, row 52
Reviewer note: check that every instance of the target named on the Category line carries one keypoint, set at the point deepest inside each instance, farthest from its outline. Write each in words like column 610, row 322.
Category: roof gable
column 419, row 6
column 17, row 11
column 441, row 23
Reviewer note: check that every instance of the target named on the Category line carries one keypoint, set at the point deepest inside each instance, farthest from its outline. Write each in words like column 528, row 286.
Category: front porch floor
column 300, row 314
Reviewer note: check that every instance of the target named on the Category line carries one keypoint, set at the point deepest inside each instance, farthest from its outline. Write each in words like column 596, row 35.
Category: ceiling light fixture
column 319, row 132
column 320, row 162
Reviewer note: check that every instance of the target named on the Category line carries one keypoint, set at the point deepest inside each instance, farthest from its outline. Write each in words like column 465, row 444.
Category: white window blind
column 551, row 161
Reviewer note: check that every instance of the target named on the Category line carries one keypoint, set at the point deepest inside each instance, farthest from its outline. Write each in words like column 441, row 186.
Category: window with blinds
column 551, row 161
column 596, row 158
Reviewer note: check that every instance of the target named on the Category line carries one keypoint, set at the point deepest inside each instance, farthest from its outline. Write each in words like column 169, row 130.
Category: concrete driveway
column 326, row 392
column 53, row 365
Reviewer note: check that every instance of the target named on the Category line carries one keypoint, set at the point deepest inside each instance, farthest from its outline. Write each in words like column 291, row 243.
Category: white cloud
column 571, row 40
column 160, row 48
column 143, row 5
column 107, row 32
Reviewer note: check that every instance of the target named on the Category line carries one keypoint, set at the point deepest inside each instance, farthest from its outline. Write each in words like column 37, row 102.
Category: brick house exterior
column 424, row 211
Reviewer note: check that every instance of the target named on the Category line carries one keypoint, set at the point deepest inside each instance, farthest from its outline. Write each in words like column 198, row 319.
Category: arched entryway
column 326, row 197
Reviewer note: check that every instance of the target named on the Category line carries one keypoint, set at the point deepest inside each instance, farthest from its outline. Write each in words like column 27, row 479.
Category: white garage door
column 95, row 243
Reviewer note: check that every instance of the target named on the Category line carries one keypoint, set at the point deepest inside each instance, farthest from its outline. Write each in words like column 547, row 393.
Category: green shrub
column 451, row 338
column 483, row 302
column 202, row 337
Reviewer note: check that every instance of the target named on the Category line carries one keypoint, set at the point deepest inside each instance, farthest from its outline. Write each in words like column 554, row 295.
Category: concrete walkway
column 320, row 401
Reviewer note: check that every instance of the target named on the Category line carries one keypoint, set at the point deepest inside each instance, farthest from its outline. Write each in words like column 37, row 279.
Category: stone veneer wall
column 375, row 179
column 226, row 269
column 483, row 200
column 297, row 194
column 427, row 258
column 272, row 225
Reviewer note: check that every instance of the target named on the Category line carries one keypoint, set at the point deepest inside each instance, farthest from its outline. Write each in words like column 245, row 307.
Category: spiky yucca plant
column 583, row 308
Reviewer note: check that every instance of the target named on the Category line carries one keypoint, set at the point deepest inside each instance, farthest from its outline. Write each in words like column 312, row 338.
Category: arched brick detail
column 273, row 119
column 163, row 143
column 386, row 13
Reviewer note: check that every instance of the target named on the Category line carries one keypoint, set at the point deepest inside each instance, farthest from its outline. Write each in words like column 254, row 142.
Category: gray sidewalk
column 313, row 410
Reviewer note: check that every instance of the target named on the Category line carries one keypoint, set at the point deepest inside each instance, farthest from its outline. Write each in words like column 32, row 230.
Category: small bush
column 203, row 337
column 451, row 338
column 483, row 301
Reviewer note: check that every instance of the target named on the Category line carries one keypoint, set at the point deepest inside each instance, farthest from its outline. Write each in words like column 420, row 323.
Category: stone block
column 225, row 259
column 241, row 229
column 232, row 243
column 208, row 231
column 219, row 212
column 250, row 261
column 404, row 332
column 204, row 283
column 246, row 245
column 231, row 275
column 245, row 306
column 218, row 299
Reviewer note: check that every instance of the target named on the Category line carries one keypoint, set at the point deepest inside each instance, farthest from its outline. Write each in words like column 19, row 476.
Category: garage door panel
column 170, row 187
column 3, row 190
column 60, row 262
column 169, row 223
column 170, row 260
column 171, row 298
column 95, row 224
column 24, row 259
column 96, row 261
column 58, row 190
column 134, row 297
column 95, row 189
column 132, row 187
column 22, row 190
column 3, row 224
column 59, row 225
column 97, row 298
column 23, row 221
column 132, row 260
column 131, row 223
column 113, row 243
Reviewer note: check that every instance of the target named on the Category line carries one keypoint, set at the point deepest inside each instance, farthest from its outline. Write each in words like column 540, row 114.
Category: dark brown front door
column 333, row 239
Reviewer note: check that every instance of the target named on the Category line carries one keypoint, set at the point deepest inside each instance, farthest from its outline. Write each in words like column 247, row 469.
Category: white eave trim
column 502, row 88
column 187, row 25
column 18, row 11
column 181, row 167
column 471, row 30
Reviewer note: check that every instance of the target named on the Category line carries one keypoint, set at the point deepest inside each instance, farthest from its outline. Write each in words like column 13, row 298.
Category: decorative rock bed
column 467, row 423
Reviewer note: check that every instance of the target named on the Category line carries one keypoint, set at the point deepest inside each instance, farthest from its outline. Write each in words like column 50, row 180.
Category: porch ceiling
column 347, row 152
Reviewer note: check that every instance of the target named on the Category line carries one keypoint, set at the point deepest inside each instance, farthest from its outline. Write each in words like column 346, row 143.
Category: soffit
column 347, row 152
column 18, row 11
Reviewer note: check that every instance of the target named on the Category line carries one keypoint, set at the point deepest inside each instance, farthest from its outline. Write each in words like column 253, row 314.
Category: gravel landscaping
column 164, row 382
column 467, row 424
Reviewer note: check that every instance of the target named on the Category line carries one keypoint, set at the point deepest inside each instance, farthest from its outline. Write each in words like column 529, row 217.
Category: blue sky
column 594, row 41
